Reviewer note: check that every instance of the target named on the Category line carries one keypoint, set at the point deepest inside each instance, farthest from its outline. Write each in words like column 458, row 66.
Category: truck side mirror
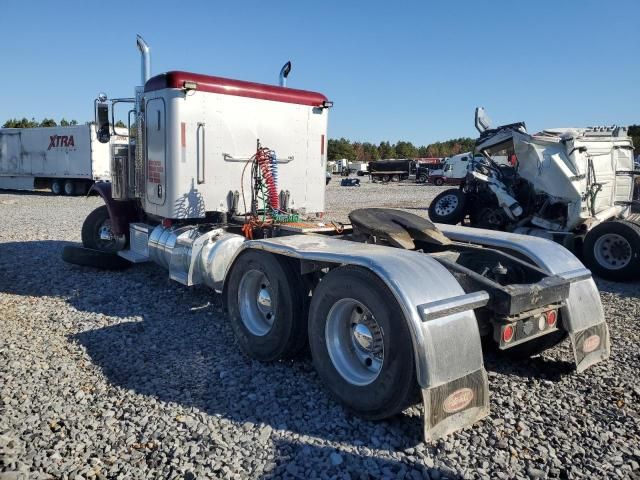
column 103, row 129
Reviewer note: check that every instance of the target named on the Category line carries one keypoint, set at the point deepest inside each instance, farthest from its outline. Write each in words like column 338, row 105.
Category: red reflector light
column 166, row 223
column 507, row 334
column 552, row 317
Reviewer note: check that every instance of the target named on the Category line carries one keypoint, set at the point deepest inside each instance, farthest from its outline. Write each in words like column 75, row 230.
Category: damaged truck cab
column 224, row 187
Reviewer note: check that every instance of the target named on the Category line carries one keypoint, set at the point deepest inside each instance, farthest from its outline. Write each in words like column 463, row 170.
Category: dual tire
column 67, row 187
column 353, row 326
column 611, row 250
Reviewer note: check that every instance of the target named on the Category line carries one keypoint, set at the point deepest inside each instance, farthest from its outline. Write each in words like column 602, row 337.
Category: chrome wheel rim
column 68, row 188
column 255, row 299
column 355, row 342
column 612, row 251
column 106, row 240
column 446, row 205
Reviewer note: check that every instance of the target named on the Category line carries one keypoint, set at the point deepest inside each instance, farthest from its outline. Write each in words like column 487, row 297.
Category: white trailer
column 392, row 307
column 65, row 159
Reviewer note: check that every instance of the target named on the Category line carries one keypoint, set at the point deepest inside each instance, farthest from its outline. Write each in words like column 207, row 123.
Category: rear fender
column 583, row 315
column 122, row 213
column 440, row 317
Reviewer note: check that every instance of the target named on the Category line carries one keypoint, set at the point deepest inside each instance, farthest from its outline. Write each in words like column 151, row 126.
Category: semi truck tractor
column 67, row 160
column 223, row 186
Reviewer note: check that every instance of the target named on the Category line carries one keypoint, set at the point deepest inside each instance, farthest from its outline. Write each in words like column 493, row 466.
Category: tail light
column 542, row 322
column 552, row 318
column 507, row 333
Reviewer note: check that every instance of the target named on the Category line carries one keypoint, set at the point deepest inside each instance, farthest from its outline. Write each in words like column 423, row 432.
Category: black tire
column 611, row 250
column 439, row 181
column 360, row 173
column 491, row 218
column 395, row 387
column 69, row 188
column 385, row 178
column 287, row 335
column 91, row 239
column 395, row 178
column 57, row 187
column 423, row 178
column 93, row 258
column 448, row 207
column 535, row 346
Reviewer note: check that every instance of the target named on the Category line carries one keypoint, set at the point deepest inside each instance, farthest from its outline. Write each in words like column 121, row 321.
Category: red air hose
column 263, row 156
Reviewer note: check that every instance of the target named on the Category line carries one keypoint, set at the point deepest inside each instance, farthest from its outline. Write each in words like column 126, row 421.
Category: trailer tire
column 266, row 302
column 395, row 178
column 439, row 181
column 56, row 187
column 385, row 178
column 97, row 221
column 372, row 385
column 448, row 207
column 93, row 258
column 611, row 250
column 69, row 188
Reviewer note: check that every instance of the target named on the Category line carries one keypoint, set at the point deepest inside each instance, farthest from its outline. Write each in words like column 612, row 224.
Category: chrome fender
column 440, row 317
column 583, row 315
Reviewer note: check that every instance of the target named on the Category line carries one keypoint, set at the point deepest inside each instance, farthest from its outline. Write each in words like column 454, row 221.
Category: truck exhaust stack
column 284, row 73
column 145, row 63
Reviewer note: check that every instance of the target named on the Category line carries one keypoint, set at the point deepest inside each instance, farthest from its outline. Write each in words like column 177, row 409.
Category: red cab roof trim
column 239, row 88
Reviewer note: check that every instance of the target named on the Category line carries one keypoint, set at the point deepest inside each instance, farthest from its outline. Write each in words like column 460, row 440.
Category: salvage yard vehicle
column 223, row 187
column 394, row 170
column 573, row 186
column 67, row 160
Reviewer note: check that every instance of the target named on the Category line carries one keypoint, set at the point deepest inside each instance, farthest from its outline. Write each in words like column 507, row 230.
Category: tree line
column 343, row 148
column 33, row 123
column 365, row 151
column 46, row 122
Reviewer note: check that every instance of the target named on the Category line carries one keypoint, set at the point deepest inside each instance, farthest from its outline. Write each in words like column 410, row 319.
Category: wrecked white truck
column 570, row 185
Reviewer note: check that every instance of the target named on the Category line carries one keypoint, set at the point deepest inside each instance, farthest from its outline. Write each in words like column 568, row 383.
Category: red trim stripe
column 238, row 88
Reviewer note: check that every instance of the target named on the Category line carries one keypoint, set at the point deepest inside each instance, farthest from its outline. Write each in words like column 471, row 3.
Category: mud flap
column 455, row 404
column 590, row 346
column 456, row 391
column 583, row 320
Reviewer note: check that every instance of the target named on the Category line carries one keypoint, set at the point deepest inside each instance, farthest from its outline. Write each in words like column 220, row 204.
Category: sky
column 395, row 70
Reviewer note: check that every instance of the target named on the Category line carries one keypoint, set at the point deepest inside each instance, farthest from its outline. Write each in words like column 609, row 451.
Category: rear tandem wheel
column 361, row 345
column 266, row 302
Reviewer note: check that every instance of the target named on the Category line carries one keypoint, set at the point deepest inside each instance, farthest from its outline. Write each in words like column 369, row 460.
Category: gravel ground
column 129, row 375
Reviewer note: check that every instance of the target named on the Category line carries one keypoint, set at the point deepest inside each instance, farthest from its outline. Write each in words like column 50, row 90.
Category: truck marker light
column 166, row 223
column 542, row 322
column 591, row 343
column 458, row 400
column 552, row 318
column 507, row 333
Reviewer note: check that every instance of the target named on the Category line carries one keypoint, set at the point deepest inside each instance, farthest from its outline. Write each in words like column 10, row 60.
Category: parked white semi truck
column 226, row 188
column 67, row 160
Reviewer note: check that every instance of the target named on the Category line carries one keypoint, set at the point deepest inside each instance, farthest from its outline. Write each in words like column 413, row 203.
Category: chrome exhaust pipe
column 146, row 59
column 284, row 73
